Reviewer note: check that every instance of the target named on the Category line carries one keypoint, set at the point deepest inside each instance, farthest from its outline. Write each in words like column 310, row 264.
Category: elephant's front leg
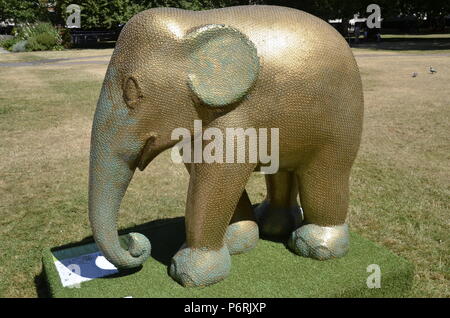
column 242, row 233
column 214, row 192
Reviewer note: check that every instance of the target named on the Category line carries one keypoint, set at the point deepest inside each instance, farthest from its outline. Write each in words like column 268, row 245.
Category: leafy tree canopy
column 110, row 13
column 23, row 10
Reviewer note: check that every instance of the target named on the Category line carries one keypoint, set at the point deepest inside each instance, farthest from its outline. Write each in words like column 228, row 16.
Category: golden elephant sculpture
column 246, row 66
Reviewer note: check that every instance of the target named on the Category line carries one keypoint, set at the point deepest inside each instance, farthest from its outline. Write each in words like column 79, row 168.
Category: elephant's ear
column 223, row 64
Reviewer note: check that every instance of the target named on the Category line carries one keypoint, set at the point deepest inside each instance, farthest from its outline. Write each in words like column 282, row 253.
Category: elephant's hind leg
column 279, row 214
column 214, row 192
column 324, row 193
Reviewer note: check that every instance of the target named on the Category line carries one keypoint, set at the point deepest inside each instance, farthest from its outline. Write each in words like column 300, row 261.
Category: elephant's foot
column 200, row 267
column 241, row 237
column 320, row 242
column 277, row 222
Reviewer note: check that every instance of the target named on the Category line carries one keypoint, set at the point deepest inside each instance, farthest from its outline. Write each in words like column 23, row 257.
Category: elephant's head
column 157, row 81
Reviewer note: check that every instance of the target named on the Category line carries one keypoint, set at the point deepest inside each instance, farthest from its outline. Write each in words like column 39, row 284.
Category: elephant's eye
column 131, row 92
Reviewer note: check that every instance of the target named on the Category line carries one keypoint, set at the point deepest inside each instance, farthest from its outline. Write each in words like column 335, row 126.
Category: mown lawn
column 399, row 190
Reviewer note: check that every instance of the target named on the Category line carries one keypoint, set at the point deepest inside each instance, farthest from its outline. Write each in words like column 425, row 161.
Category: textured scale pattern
column 320, row 242
column 200, row 267
column 241, row 237
column 247, row 66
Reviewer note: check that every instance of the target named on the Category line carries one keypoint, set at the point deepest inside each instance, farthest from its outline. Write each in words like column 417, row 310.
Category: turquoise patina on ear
column 223, row 64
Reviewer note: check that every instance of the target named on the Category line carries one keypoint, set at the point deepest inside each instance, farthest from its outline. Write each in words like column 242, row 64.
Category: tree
column 23, row 10
column 100, row 13
column 110, row 13
column 389, row 8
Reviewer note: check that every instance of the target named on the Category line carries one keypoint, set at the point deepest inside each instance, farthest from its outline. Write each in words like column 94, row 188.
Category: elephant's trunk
column 110, row 173
column 108, row 181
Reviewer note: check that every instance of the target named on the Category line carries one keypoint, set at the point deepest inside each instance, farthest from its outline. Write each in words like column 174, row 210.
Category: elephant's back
column 287, row 40
column 279, row 33
column 292, row 45
column 308, row 84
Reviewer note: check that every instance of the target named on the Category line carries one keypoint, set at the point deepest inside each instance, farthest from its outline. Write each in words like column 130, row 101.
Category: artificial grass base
column 270, row 270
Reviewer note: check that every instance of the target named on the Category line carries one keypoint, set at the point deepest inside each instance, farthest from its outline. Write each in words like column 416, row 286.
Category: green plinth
column 270, row 270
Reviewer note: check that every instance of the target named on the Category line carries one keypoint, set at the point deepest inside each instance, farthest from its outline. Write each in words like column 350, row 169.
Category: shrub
column 20, row 46
column 9, row 43
column 34, row 37
column 33, row 44
column 44, row 37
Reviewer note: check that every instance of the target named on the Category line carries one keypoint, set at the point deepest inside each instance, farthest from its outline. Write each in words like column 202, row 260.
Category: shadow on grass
column 406, row 44
column 40, row 282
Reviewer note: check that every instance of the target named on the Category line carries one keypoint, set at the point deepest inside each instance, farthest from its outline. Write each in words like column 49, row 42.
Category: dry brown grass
column 400, row 183
column 404, row 204
column 40, row 55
